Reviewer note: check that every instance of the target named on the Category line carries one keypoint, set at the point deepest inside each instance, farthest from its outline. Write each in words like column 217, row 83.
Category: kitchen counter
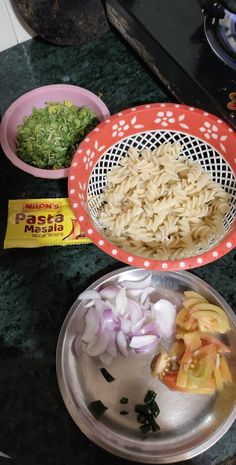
column 38, row 286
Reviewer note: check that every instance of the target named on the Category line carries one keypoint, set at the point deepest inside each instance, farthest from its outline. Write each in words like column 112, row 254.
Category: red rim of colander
column 151, row 117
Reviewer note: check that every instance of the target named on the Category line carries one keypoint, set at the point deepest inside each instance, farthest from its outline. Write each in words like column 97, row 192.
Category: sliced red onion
column 100, row 344
column 108, row 320
column 92, row 325
column 136, row 328
column 122, row 316
column 134, row 293
column 122, row 343
column 77, row 346
column 150, row 328
column 106, row 358
column 121, row 302
column 152, row 347
column 90, row 303
column 164, row 313
column 137, row 284
column 139, row 342
column 147, row 304
column 90, row 294
column 112, row 347
column 176, row 298
column 146, row 292
column 109, row 292
column 125, row 325
column 135, row 311
column 109, row 304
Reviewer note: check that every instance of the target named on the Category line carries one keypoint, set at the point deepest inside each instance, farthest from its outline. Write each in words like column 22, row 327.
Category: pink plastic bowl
column 23, row 106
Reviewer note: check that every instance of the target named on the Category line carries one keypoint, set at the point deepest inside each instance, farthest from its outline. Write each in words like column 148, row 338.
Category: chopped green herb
column 141, row 418
column 49, row 137
column 142, row 408
column 150, row 396
column 97, row 408
column 154, row 408
column 155, row 428
column 152, row 422
column 124, row 412
column 108, row 377
column 145, row 428
column 124, row 400
column 147, row 413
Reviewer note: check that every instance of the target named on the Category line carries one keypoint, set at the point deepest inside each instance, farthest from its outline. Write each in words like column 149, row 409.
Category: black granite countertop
column 38, row 286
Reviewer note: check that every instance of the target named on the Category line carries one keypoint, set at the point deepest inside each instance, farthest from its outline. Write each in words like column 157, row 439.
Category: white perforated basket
column 203, row 138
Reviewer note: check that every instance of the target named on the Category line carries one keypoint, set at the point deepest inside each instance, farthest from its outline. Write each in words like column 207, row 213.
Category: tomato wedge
column 224, row 370
column 192, row 340
column 185, row 320
column 208, row 338
column 160, row 364
column 210, row 321
column 183, row 373
column 170, row 381
column 196, row 363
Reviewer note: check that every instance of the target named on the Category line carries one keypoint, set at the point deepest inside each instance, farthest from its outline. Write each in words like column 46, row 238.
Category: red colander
column 204, row 138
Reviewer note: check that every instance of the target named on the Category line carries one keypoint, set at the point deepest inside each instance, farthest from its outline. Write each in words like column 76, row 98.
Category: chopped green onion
column 124, row 412
column 124, row 400
column 154, row 408
column 155, row 428
column 141, row 418
column 145, row 428
column 108, row 377
column 147, row 413
column 150, row 397
column 152, row 423
column 142, row 408
column 97, row 408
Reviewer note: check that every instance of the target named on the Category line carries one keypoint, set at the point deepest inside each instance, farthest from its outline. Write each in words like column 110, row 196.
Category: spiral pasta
column 159, row 204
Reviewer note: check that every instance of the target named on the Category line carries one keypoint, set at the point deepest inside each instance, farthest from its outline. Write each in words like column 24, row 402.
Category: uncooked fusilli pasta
column 161, row 205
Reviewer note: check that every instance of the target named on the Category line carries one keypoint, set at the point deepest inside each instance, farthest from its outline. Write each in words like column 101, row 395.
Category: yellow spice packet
column 42, row 222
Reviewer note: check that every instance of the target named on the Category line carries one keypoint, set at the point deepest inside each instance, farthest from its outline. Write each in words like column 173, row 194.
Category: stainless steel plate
column 189, row 423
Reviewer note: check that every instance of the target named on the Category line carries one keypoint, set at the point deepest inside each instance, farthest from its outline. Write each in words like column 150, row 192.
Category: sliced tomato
column 185, row 320
column 205, row 350
column 181, row 333
column 209, row 339
column 224, row 370
column 197, row 367
column 208, row 389
column 182, row 377
column 177, row 350
column 160, row 364
column 196, row 295
column 208, row 307
column 191, row 301
column 170, row 381
column 221, row 372
column 217, row 374
column 192, row 340
column 201, row 373
column 210, row 321
column 216, row 316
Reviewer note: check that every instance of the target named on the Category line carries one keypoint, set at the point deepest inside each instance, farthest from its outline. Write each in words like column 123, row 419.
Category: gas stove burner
column 221, row 36
column 178, row 52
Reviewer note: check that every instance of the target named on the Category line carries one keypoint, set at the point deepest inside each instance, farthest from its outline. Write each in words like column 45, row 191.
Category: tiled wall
column 13, row 29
